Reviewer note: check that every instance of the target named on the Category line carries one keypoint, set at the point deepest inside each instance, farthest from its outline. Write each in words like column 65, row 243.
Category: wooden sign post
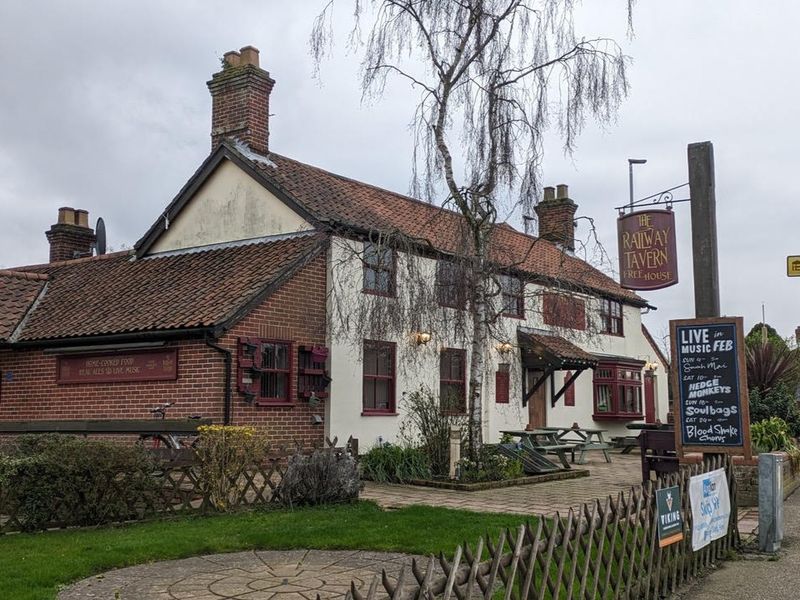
column 712, row 410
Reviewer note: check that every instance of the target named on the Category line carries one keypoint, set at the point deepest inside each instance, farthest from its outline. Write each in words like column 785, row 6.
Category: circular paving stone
column 269, row 575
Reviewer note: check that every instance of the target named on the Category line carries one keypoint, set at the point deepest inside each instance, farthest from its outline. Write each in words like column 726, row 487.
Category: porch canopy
column 549, row 353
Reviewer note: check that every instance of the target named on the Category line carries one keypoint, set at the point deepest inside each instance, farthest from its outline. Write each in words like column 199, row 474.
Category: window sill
column 379, row 293
column 378, row 413
column 277, row 403
column 509, row 316
column 617, row 416
column 621, row 334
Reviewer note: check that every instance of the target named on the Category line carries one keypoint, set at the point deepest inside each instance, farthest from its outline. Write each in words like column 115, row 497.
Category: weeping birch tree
column 494, row 77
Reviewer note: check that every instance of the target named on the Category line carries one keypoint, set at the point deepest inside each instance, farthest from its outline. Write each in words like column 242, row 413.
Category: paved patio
column 546, row 498
column 273, row 575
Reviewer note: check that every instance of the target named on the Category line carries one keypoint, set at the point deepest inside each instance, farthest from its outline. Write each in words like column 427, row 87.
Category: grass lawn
column 33, row 566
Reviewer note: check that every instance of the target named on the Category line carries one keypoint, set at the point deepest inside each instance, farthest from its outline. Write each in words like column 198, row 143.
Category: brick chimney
column 556, row 214
column 71, row 237
column 240, row 101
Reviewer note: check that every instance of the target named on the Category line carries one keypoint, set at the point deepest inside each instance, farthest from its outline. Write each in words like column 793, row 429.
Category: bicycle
column 172, row 441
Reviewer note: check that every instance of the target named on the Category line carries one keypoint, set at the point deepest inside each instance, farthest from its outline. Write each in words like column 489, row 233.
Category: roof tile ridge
column 83, row 259
column 24, row 275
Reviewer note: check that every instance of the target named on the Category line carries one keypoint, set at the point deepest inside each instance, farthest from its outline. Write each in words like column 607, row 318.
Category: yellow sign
column 793, row 266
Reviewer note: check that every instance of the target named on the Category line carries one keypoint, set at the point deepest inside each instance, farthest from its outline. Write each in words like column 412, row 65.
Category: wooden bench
column 658, row 452
column 627, row 442
column 561, row 451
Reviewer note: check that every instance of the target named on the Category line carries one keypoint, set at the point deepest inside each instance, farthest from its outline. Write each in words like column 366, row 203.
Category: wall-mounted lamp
column 504, row 348
column 422, row 338
column 652, row 367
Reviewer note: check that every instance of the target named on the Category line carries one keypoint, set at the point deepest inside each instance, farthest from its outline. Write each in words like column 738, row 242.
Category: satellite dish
column 100, row 232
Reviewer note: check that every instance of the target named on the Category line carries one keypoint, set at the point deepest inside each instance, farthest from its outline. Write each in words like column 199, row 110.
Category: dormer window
column 379, row 269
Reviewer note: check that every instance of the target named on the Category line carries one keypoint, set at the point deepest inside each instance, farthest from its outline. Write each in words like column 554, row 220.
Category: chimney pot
column 249, row 55
column 232, row 58
column 82, row 218
column 549, row 193
column 562, row 191
column 66, row 215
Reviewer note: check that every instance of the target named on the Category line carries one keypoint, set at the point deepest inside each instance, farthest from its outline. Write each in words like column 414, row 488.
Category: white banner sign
column 711, row 507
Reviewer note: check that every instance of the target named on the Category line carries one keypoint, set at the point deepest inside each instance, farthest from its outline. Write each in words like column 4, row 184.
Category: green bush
column 395, row 464
column 427, row 426
column 490, row 466
column 48, row 480
column 771, row 435
column 323, row 477
column 776, row 402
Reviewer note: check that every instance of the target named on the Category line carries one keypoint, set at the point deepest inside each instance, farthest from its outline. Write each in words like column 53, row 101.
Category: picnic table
column 583, row 439
column 544, row 442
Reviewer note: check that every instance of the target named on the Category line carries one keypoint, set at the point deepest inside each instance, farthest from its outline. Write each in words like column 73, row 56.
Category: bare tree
column 494, row 76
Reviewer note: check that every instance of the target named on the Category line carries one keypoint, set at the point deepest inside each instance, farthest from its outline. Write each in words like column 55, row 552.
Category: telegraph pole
column 704, row 229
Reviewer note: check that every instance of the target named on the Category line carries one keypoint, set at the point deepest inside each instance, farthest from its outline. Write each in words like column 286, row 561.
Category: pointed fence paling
column 605, row 549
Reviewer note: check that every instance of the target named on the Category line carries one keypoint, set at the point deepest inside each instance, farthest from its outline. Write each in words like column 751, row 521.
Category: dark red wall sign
column 648, row 258
column 152, row 365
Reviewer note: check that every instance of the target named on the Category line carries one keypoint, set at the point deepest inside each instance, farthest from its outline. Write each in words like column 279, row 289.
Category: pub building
column 230, row 306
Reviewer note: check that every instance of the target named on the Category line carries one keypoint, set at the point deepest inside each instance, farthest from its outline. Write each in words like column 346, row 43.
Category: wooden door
column 537, row 404
column 650, row 397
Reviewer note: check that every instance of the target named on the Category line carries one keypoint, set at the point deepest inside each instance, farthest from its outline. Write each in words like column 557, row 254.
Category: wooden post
column 704, row 229
column 455, row 449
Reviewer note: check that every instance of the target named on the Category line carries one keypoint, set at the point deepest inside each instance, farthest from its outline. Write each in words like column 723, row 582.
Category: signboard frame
column 744, row 398
column 117, row 374
column 670, row 249
column 790, row 272
column 667, row 534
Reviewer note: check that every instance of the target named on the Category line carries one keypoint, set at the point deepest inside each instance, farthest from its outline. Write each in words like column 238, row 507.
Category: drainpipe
column 226, row 354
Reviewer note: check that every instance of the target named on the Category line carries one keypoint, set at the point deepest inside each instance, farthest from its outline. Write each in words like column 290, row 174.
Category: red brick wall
column 298, row 308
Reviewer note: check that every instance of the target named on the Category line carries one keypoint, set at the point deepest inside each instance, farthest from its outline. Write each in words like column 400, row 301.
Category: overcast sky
column 103, row 106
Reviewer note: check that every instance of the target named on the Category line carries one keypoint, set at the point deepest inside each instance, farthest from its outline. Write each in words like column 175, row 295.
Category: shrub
column 769, row 364
column 395, row 464
column 771, row 435
column 490, row 466
column 223, row 453
column 777, row 402
column 427, row 427
column 326, row 476
column 55, row 480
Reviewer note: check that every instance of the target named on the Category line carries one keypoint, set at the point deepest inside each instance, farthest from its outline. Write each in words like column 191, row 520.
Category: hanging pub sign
column 648, row 258
column 709, row 379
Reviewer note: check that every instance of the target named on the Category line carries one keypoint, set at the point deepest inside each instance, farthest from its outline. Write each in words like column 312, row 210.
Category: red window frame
column 513, row 296
column 372, row 378
column 450, row 291
column 264, row 372
column 618, row 391
column 376, row 265
column 449, row 379
column 502, row 384
column 611, row 317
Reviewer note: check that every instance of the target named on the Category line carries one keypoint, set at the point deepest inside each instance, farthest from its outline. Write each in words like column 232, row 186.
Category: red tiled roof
column 559, row 347
column 18, row 290
column 345, row 202
column 200, row 288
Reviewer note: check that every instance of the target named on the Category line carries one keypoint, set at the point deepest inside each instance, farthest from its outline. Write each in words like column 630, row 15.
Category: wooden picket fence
column 176, row 488
column 607, row 549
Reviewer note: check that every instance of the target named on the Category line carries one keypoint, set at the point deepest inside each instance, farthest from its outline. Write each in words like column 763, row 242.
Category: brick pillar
column 240, row 101
column 71, row 237
column 556, row 214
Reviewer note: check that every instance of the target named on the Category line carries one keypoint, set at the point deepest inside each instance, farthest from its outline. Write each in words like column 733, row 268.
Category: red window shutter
column 501, row 384
column 569, row 394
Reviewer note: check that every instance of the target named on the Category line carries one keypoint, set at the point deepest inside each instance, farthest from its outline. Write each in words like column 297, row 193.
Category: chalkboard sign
column 711, row 411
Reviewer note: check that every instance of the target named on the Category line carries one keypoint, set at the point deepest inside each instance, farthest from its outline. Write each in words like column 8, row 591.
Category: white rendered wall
column 229, row 206
column 419, row 365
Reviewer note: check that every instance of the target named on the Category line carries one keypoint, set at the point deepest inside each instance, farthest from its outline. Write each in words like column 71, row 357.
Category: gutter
column 228, row 358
